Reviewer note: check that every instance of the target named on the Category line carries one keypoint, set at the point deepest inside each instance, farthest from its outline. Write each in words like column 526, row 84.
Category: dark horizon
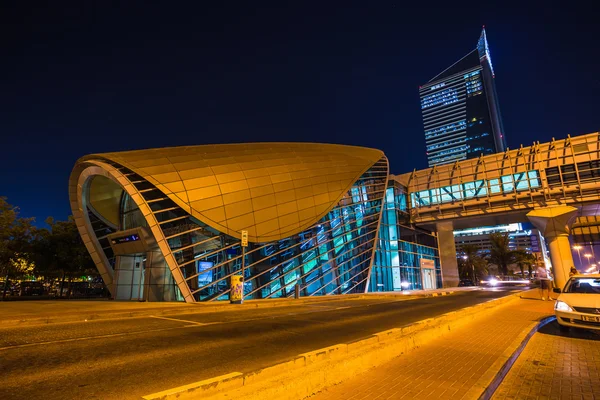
column 93, row 78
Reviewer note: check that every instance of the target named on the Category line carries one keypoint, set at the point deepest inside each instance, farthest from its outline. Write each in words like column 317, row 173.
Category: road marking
column 184, row 320
column 194, row 324
column 18, row 346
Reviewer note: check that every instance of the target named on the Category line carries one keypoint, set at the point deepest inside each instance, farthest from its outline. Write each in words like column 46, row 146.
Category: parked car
column 10, row 289
column 31, row 288
column 578, row 304
column 466, row 282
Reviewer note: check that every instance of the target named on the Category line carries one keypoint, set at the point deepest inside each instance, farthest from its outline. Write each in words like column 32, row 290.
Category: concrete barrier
column 310, row 372
column 199, row 389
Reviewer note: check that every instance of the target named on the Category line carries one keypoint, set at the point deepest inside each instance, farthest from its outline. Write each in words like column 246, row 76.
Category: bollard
column 297, row 291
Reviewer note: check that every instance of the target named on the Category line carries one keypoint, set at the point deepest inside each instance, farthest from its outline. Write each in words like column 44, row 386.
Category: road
column 132, row 357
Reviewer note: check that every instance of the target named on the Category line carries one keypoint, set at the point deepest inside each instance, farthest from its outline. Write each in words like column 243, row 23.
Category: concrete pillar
column 555, row 224
column 447, row 250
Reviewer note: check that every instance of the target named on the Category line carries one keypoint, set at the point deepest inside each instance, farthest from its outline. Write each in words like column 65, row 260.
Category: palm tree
column 500, row 253
column 522, row 259
column 472, row 263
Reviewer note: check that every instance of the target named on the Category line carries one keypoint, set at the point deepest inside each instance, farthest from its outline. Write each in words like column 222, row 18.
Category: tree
column 471, row 264
column 15, row 235
column 500, row 253
column 524, row 259
column 60, row 252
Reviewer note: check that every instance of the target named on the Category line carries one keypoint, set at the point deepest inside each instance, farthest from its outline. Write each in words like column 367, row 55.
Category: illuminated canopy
column 272, row 190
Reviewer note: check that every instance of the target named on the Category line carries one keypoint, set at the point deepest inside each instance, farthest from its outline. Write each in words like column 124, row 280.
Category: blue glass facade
column 406, row 258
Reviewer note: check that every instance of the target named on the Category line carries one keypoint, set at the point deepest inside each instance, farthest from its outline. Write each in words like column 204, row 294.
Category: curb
column 201, row 308
column 331, row 365
column 509, row 357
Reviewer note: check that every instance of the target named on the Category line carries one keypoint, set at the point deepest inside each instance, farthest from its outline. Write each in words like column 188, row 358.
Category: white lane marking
column 88, row 338
column 184, row 320
column 193, row 325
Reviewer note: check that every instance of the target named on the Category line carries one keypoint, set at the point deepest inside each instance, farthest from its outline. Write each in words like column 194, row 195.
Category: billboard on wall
column 426, row 263
column 204, row 278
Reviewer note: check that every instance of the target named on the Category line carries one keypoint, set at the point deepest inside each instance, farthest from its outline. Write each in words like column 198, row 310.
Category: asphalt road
column 132, row 357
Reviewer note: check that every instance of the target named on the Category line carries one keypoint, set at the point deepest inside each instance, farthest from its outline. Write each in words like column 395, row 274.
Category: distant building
column 461, row 116
column 521, row 237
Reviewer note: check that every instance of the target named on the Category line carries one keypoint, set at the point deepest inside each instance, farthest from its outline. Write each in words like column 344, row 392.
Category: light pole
column 578, row 248
column 465, row 257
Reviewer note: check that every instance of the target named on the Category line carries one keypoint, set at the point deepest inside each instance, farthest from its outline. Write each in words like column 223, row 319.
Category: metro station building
column 166, row 224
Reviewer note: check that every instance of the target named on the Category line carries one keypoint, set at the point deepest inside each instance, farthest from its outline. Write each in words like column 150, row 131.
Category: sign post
column 244, row 245
column 236, row 294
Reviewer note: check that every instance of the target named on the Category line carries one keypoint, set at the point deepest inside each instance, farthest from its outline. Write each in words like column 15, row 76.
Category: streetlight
column 578, row 248
column 465, row 257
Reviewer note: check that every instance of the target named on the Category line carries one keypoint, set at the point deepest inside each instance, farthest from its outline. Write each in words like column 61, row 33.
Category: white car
column 578, row 305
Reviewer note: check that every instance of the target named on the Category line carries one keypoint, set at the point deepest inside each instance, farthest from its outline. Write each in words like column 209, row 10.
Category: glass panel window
column 521, row 182
column 507, row 183
column 495, row 186
column 534, row 180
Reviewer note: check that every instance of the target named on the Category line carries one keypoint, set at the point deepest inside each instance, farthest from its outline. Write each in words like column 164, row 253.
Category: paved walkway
column 555, row 365
column 446, row 368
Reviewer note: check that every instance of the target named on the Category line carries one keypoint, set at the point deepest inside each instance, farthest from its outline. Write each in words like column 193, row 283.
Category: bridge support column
column 447, row 248
column 555, row 224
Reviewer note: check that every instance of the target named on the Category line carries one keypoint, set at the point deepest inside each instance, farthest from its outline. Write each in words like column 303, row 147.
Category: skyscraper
column 461, row 115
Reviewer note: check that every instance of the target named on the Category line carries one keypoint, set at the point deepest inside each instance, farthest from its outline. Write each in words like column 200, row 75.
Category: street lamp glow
column 587, row 255
column 577, row 247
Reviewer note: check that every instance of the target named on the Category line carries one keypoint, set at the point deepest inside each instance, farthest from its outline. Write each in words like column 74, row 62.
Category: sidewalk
column 555, row 365
column 54, row 311
column 457, row 366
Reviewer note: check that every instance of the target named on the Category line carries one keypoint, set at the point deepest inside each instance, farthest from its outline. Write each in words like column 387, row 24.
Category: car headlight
column 562, row 306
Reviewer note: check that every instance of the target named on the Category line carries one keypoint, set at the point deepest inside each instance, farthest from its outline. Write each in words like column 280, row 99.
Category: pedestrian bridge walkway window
column 481, row 188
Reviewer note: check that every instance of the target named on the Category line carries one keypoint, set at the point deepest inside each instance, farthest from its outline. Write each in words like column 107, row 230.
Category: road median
column 310, row 372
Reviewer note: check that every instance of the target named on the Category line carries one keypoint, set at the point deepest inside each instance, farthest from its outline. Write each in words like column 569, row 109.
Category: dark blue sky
column 94, row 77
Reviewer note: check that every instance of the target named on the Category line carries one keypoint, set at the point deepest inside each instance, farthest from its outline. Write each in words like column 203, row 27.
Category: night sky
column 88, row 77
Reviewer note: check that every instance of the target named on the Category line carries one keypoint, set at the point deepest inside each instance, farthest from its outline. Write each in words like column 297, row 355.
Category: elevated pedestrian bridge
column 504, row 187
column 556, row 185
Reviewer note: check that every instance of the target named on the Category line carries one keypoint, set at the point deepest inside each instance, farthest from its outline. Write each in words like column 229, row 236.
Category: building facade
column 522, row 236
column 461, row 115
column 406, row 258
column 166, row 224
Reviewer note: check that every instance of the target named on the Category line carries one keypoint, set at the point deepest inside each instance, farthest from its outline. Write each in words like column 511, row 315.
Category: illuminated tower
column 461, row 115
